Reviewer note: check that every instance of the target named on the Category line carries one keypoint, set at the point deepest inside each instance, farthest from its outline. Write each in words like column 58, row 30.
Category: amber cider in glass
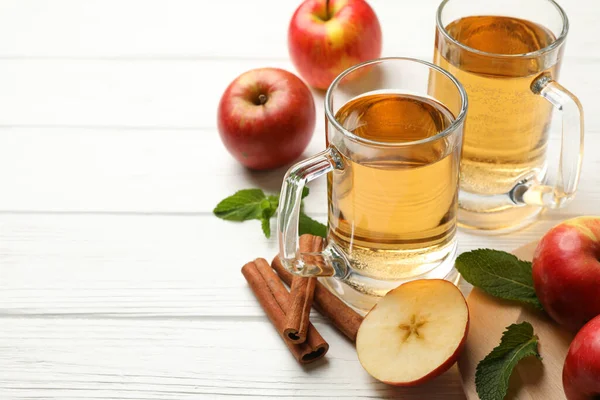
column 506, row 131
column 394, row 217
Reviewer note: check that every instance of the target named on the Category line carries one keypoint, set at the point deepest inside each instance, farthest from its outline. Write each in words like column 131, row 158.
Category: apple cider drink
column 395, row 216
column 391, row 162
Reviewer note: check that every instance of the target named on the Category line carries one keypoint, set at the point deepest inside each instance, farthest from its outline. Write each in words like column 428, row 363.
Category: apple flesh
column 414, row 333
column 327, row 37
column 566, row 271
column 581, row 373
column 266, row 118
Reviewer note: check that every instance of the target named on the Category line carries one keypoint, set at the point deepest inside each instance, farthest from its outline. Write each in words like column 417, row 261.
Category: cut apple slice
column 414, row 333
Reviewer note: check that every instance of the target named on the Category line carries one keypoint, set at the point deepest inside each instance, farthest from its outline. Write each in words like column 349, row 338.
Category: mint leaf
column 250, row 204
column 266, row 227
column 500, row 274
column 309, row 225
column 242, row 206
column 274, row 199
column 266, row 219
column 305, row 192
column 493, row 372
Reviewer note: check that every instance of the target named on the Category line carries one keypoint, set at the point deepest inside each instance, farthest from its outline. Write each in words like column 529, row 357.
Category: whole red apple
column 566, row 271
column 266, row 118
column 581, row 373
column 326, row 37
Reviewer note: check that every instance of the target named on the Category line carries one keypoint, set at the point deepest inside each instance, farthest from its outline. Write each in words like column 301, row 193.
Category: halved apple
column 414, row 333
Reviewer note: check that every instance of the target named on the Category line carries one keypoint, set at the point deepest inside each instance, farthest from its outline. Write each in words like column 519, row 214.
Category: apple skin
column 322, row 47
column 581, row 373
column 269, row 135
column 566, row 271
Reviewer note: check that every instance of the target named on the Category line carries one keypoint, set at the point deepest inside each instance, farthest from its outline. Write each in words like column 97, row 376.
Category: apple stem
column 262, row 99
column 327, row 16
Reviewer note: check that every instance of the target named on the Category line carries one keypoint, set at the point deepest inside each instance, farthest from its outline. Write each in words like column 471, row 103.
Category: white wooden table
column 116, row 281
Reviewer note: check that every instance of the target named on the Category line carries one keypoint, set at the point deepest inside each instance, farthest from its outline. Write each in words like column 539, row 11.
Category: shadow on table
column 270, row 181
column 446, row 386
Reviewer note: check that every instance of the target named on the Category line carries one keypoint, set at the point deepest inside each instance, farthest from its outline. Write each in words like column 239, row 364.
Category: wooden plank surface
column 159, row 171
column 168, row 94
column 99, row 264
column 77, row 358
column 221, row 29
column 116, row 282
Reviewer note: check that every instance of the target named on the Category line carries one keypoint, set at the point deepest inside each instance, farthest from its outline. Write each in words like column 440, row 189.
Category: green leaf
column 254, row 204
column 500, row 274
column 493, row 372
column 268, row 212
column 274, row 200
column 266, row 227
column 309, row 225
column 305, row 192
column 242, row 206
column 265, row 220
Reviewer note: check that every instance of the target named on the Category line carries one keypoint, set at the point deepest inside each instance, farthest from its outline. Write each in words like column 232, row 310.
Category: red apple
column 326, row 37
column 414, row 333
column 581, row 373
column 266, row 118
column 566, row 271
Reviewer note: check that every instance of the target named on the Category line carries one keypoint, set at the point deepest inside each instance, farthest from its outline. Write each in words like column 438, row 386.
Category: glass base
column 498, row 222
column 493, row 214
column 362, row 293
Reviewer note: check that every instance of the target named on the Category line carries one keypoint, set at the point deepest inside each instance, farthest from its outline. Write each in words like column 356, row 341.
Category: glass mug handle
column 571, row 153
column 304, row 264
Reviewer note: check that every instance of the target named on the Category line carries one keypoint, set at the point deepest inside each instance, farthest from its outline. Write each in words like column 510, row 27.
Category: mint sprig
column 310, row 226
column 253, row 204
column 243, row 205
column 493, row 372
column 499, row 274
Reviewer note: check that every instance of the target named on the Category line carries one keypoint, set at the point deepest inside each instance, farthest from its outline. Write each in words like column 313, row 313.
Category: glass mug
column 507, row 55
column 392, row 163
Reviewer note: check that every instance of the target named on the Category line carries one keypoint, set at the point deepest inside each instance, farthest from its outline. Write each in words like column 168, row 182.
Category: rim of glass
column 561, row 38
column 451, row 128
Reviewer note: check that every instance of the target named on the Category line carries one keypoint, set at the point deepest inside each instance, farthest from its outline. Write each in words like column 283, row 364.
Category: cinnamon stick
column 302, row 290
column 274, row 299
column 345, row 319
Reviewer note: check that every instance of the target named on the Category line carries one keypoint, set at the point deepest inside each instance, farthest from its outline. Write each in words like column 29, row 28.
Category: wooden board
column 531, row 379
